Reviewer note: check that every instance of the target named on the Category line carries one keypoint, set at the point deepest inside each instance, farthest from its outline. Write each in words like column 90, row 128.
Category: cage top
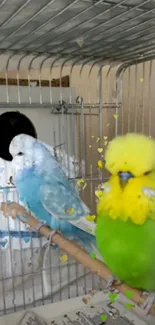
column 112, row 30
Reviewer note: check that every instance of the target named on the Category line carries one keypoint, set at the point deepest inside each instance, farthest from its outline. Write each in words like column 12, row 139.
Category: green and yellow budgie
column 125, row 230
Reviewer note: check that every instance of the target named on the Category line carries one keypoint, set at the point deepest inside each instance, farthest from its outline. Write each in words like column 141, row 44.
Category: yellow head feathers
column 135, row 154
column 131, row 152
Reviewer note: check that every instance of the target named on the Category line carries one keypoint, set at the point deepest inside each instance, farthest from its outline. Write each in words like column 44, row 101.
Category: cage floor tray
column 97, row 311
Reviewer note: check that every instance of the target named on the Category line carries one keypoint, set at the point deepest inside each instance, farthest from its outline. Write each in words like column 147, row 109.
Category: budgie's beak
column 124, row 177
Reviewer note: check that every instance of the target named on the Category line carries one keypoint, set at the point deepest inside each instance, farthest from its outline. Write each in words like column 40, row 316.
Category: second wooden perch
column 94, row 265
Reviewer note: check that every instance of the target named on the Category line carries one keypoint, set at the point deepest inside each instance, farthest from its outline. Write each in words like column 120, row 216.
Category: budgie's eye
column 147, row 173
column 20, row 154
column 75, row 163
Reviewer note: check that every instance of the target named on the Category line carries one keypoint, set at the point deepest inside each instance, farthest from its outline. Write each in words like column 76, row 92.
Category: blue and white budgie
column 46, row 191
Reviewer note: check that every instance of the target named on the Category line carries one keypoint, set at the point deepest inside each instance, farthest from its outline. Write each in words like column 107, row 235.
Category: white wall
column 52, row 129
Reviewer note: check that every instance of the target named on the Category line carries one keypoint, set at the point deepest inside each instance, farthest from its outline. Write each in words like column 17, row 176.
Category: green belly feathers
column 128, row 250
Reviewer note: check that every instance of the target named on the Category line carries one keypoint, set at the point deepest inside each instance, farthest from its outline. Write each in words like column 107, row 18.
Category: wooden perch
column 94, row 265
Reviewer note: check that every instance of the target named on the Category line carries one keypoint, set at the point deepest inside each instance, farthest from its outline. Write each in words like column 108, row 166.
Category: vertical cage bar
column 136, row 111
column 143, row 89
column 149, row 98
column 129, row 99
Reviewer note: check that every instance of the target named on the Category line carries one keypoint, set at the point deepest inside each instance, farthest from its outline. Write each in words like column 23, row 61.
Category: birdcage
column 83, row 72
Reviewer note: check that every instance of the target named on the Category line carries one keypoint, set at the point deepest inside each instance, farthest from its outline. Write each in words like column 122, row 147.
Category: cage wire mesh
column 106, row 48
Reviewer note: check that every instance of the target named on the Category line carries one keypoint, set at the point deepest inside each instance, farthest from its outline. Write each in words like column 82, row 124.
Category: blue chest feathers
column 28, row 187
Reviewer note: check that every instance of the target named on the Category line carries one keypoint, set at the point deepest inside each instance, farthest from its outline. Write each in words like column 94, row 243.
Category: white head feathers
column 22, row 149
column 21, row 144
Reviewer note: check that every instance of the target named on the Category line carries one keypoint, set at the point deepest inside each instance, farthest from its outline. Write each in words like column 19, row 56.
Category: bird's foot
column 148, row 302
column 111, row 281
column 50, row 238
